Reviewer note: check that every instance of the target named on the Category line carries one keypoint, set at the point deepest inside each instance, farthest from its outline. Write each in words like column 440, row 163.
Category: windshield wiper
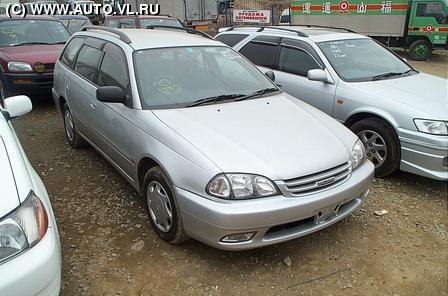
column 260, row 93
column 391, row 74
column 29, row 43
column 215, row 99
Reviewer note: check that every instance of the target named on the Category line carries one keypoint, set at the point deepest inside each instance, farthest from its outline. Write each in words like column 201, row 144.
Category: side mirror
column 110, row 94
column 17, row 106
column 270, row 75
column 317, row 75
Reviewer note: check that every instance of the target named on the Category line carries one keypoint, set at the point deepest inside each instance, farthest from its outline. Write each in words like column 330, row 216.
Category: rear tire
column 71, row 131
column 420, row 50
column 163, row 210
column 381, row 144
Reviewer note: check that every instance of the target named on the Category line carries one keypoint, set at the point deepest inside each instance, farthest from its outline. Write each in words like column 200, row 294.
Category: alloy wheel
column 376, row 148
column 159, row 206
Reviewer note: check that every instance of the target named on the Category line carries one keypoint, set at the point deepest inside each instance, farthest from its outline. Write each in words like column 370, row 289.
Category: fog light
column 23, row 81
column 445, row 162
column 238, row 238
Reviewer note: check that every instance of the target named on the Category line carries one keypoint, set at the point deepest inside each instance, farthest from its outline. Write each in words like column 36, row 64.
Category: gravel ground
column 109, row 247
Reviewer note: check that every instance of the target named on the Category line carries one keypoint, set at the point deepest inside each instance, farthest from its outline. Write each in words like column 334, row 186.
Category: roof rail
column 328, row 27
column 122, row 36
column 299, row 33
column 188, row 30
column 261, row 28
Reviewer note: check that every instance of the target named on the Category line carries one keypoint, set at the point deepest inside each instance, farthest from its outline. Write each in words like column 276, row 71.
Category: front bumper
column 36, row 271
column 424, row 154
column 30, row 84
column 274, row 219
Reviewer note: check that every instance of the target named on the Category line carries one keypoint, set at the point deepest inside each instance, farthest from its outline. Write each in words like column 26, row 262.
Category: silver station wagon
column 217, row 150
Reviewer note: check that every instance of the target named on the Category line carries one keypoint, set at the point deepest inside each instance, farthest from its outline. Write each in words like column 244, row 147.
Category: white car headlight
column 433, row 127
column 358, row 154
column 19, row 67
column 241, row 186
column 23, row 228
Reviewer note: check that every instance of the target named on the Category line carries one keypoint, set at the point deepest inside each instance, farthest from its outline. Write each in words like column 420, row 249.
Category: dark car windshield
column 363, row 60
column 144, row 23
column 124, row 23
column 178, row 77
column 18, row 32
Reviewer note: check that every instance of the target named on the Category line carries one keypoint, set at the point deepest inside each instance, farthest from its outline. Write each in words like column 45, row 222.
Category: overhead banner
column 252, row 16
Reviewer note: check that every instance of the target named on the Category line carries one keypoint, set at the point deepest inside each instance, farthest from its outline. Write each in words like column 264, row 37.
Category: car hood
column 278, row 136
column 427, row 93
column 46, row 54
column 9, row 198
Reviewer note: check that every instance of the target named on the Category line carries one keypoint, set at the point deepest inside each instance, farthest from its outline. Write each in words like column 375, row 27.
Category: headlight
column 241, row 186
column 432, row 127
column 358, row 154
column 19, row 67
column 23, row 228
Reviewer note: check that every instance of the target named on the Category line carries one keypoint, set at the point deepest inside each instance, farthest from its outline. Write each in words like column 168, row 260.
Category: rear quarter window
column 231, row 39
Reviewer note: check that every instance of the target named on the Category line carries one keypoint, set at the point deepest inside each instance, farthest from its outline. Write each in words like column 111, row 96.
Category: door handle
column 93, row 106
column 67, row 86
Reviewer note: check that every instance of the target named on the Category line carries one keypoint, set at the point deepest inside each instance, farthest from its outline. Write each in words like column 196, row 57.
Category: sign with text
column 252, row 16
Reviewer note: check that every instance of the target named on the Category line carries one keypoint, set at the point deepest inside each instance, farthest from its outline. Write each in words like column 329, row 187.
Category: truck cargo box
column 371, row 17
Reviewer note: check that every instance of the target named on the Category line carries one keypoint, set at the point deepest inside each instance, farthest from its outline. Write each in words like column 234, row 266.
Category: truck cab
column 427, row 28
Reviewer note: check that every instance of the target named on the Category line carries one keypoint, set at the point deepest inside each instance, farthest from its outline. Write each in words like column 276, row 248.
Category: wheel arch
column 146, row 163
column 361, row 114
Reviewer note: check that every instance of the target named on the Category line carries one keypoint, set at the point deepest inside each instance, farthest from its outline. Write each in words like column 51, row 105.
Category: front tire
column 420, row 50
column 163, row 210
column 71, row 132
column 381, row 144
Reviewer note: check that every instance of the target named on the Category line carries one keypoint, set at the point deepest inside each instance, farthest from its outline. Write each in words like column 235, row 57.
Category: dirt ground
column 109, row 248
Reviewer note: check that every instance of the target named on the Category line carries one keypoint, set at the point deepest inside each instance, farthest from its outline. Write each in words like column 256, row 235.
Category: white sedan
column 30, row 253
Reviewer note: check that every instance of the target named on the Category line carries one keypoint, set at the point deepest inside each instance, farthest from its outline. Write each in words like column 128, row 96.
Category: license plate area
column 326, row 214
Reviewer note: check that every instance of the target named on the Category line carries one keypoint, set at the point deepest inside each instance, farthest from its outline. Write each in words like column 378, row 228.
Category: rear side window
column 88, row 62
column 296, row 61
column 72, row 48
column 231, row 39
column 261, row 54
column 114, row 70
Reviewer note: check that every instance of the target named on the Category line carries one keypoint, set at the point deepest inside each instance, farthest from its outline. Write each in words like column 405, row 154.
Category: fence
column 276, row 7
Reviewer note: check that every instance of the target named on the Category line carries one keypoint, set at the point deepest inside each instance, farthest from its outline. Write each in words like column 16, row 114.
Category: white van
column 285, row 19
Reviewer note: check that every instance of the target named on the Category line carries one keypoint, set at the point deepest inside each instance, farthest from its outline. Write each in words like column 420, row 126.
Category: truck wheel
column 381, row 144
column 163, row 209
column 420, row 50
column 71, row 132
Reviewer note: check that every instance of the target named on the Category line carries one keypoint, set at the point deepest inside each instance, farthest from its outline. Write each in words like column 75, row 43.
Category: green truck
column 418, row 26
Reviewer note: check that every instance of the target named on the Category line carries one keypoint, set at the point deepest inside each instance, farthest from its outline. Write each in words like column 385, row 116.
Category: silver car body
column 398, row 101
column 192, row 145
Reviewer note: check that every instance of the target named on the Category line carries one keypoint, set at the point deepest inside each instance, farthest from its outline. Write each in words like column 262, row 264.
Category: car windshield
column 26, row 32
column 363, row 60
column 144, row 23
column 124, row 23
column 180, row 77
